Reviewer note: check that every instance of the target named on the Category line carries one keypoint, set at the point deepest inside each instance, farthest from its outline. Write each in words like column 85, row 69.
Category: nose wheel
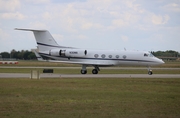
column 83, row 71
column 150, row 72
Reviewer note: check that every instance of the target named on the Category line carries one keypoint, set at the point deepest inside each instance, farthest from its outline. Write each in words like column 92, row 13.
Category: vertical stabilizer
column 44, row 39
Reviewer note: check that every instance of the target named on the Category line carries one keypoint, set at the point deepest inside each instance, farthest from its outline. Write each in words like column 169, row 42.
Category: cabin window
column 110, row 56
column 96, row 55
column 124, row 56
column 117, row 56
column 103, row 55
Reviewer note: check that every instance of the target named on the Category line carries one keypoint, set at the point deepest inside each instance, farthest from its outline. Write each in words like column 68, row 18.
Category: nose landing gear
column 150, row 71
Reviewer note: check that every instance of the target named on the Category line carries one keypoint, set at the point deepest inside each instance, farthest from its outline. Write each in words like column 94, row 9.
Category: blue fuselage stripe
column 52, row 57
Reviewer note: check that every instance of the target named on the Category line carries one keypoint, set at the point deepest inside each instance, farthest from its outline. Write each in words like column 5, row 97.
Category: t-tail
column 44, row 39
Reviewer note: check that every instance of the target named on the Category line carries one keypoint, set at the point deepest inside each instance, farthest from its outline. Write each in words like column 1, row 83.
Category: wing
column 84, row 63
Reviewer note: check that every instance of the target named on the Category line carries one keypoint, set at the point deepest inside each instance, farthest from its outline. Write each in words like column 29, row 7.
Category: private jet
column 49, row 48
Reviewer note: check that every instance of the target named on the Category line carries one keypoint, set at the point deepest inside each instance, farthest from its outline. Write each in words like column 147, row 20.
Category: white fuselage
column 49, row 48
column 104, row 57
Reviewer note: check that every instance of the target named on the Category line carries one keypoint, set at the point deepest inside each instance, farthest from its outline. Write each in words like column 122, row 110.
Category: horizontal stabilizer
column 30, row 30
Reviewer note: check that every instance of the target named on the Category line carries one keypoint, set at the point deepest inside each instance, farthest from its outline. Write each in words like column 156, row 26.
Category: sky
column 146, row 25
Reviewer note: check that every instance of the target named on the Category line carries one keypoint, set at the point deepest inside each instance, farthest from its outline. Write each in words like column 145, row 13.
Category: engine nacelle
column 75, row 53
column 68, row 52
column 54, row 52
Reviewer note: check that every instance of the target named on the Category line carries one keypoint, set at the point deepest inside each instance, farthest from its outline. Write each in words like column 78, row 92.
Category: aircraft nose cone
column 161, row 61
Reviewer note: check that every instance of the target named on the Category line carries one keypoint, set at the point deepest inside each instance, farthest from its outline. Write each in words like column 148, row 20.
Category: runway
column 115, row 68
column 43, row 75
column 26, row 75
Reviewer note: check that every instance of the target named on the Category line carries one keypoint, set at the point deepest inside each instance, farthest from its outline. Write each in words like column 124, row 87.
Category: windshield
column 151, row 55
column 148, row 54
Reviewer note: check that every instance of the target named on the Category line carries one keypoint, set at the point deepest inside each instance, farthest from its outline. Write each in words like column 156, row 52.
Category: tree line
column 29, row 55
column 22, row 55
column 168, row 53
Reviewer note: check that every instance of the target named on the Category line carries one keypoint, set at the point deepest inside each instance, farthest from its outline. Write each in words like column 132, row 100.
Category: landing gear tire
column 83, row 71
column 94, row 71
column 150, row 72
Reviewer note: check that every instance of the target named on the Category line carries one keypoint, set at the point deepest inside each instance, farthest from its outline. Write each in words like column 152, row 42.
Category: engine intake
column 62, row 53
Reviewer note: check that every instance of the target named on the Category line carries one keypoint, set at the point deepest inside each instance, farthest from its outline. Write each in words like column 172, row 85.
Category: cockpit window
column 148, row 55
column 151, row 55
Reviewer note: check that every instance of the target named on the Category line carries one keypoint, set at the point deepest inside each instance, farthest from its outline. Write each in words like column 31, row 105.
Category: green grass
column 95, row 98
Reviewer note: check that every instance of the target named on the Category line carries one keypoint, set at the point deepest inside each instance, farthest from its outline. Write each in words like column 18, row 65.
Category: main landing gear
column 94, row 71
column 83, row 71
